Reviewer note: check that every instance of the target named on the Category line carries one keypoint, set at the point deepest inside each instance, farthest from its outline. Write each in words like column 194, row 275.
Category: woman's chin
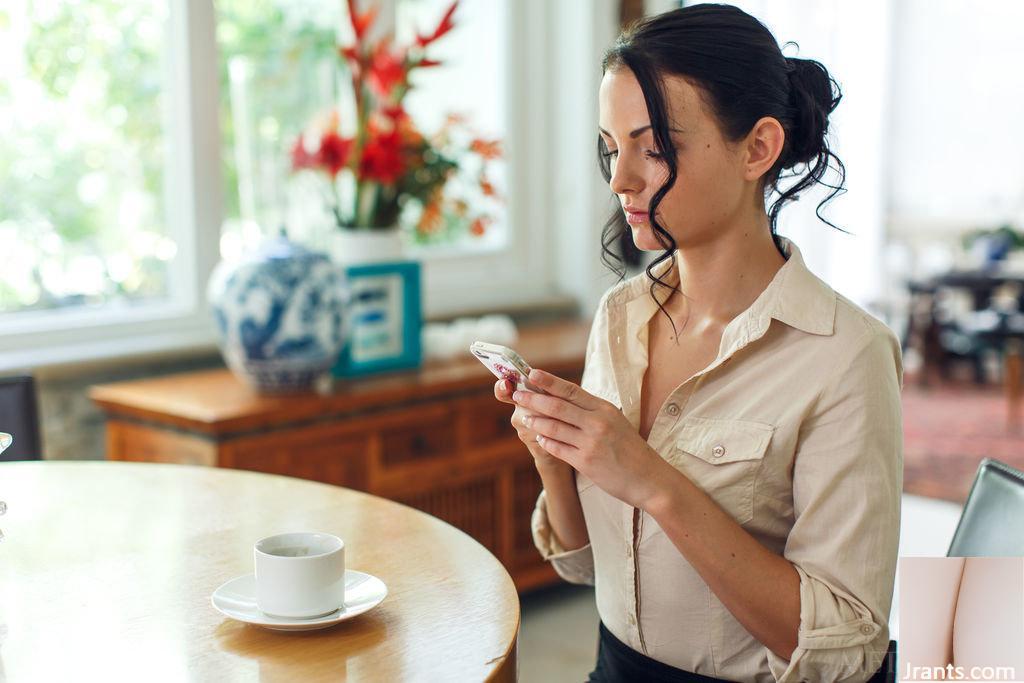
column 644, row 238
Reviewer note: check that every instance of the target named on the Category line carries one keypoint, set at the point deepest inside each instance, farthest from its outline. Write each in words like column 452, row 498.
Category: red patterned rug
column 947, row 430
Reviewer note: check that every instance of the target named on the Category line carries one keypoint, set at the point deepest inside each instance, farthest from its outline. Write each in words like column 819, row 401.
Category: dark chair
column 993, row 516
column 19, row 417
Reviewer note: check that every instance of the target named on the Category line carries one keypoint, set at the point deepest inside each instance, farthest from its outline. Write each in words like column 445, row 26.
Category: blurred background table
column 107, row 570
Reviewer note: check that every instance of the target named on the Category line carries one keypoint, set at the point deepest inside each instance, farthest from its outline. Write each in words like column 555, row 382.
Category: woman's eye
column 614, row 152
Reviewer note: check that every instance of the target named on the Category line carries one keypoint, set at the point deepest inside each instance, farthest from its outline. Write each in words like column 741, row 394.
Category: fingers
column 556, row 386
column 551, row 406
column 552, row 429
column 503, row 391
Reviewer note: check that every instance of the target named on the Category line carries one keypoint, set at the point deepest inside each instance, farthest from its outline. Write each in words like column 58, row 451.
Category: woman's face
column 710, row 188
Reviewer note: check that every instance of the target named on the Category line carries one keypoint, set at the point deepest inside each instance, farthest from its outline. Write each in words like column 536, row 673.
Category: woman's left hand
column 594, row 437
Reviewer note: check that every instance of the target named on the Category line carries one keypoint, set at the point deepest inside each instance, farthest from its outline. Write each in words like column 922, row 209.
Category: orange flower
column 431, row 218
column 478, row 226
column 486, row 149
column 487, row 188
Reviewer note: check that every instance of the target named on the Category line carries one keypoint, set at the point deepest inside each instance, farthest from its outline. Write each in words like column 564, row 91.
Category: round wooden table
column 106, row 571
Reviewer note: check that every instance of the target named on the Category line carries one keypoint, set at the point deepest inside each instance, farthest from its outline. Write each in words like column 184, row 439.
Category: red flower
column 300, row 157
column 382, row 158
column 333, row 153
column 386, row 70
column 361, row 22
column 442, row 28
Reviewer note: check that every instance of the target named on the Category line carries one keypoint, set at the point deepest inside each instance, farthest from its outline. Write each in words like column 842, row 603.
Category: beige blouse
column 795, row 430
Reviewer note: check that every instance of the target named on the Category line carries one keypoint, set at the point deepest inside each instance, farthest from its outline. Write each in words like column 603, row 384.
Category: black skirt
column 619, row 663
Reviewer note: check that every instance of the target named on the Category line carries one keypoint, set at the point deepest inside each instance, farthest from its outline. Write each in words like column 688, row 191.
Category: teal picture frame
column 384, row 319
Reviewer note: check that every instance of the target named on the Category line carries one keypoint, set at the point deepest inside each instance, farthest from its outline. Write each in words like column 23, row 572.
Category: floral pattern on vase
column 281, row 315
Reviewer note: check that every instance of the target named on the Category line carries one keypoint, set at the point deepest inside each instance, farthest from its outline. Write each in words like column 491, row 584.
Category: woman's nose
column 624, row 180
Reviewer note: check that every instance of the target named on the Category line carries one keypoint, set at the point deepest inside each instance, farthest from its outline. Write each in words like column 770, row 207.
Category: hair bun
column 812, row 97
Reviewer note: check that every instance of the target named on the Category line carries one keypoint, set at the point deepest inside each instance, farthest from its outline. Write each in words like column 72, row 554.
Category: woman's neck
column 722, row 278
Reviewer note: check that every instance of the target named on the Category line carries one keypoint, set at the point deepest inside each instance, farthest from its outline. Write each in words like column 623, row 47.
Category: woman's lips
column 636, row 217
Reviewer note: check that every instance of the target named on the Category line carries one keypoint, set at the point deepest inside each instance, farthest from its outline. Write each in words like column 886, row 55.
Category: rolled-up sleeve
column 575, row 566
column 847, row 482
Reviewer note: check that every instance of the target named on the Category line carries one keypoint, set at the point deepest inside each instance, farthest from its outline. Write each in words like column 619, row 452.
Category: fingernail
column 516, row 395
column 506, row 385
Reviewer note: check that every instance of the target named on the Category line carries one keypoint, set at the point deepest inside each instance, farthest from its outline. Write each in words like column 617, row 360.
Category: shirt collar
column 795, row 296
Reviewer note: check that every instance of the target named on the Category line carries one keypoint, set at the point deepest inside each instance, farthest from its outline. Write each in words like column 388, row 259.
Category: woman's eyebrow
column 638, row 131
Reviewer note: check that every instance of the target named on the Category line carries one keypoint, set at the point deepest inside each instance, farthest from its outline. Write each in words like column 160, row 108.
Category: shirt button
column 866, row 630
column 718, row 451
column 672, row 409
column 632, row 620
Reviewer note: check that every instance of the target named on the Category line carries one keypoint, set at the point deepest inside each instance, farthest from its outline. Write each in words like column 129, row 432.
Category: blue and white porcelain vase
column 281, row 315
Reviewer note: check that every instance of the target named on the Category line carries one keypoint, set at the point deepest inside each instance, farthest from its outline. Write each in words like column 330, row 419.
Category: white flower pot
column 357, row 247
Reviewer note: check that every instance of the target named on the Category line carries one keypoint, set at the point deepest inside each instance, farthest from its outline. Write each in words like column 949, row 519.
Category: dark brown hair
column 737, row 66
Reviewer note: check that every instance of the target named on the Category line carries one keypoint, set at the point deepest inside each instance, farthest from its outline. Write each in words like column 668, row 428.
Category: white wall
column 957, row 153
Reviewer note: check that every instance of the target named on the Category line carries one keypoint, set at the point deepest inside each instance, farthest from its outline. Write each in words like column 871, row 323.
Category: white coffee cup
column 300, row 575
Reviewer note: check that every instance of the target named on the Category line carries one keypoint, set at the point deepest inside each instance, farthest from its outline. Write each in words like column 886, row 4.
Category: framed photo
column 384, row 319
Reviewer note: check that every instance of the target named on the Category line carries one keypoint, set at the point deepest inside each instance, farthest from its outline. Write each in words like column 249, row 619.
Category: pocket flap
column 719, row 441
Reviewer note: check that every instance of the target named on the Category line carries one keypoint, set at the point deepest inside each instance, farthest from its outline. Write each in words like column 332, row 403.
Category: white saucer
column 237, row 599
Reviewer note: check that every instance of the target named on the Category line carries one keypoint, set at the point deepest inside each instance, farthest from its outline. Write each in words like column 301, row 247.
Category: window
column 128, row 165
column 82, row 156
column 278, row 68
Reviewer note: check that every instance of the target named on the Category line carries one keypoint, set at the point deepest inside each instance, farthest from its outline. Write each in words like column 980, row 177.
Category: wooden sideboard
column 435, row 438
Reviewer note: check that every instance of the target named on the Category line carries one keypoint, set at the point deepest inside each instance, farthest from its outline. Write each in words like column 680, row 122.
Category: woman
column 728, row 474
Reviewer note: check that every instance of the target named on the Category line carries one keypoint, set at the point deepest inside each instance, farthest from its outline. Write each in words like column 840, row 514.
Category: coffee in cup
column 300, row 575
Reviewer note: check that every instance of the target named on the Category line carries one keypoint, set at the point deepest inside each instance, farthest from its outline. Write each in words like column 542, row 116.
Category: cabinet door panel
column 319, row 453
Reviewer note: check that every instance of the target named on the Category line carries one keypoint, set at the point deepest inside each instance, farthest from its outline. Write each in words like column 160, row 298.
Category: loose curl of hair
column 742, row 76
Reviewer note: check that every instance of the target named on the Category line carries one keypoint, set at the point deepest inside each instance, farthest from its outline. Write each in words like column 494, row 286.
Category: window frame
column 541, row 264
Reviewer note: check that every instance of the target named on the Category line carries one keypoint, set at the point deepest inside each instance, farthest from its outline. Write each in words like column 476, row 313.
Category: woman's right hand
column 542, row 459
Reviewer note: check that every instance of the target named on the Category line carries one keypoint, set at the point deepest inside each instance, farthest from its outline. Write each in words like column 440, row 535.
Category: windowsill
column 553, row 309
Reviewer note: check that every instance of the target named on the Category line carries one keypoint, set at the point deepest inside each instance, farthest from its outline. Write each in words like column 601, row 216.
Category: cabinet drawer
column 485, row 421
column 422, row 436
column 321, row 453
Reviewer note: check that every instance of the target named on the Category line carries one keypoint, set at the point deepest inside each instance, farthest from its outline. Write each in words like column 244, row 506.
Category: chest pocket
column 722, row 457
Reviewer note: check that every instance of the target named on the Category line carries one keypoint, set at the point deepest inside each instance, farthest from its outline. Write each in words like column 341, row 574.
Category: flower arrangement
column 396, row 167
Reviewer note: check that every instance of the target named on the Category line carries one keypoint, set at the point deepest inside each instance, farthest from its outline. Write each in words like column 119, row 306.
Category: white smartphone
column 505, row 363
column 5, row 441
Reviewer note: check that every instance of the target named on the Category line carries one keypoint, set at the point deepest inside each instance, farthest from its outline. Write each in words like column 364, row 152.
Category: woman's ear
column 763, row 146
